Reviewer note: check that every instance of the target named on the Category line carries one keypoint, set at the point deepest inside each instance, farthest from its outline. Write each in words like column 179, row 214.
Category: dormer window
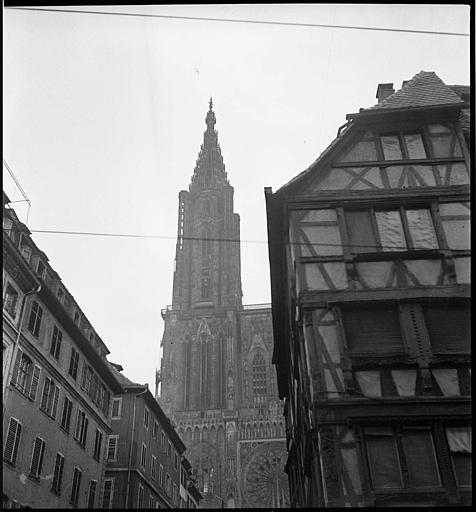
column 60, row 295
column 10, row 300
column 41, row 269
column 77, row 318
column 403, row 146
column 26, row 253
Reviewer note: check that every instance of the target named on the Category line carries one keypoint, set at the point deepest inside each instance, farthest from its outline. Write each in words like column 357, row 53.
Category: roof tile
column 423, row 90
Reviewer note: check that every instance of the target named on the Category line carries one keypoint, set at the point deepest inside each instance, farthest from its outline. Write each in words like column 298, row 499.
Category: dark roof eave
column 101, row 366
column 366, row 113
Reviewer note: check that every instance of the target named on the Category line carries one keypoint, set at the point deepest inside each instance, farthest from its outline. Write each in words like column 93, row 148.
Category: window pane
column 360, row 231
column 414, row 144
column 420, row 455
column 463, row 468
column 421, row 229
column 391, row 147
column 383, row 459
column 392, row 236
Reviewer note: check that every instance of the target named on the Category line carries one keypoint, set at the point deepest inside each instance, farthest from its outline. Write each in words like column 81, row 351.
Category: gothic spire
column 209, row 170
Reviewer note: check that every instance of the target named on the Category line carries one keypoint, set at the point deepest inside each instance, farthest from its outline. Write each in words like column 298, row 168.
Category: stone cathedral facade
column 217, row 380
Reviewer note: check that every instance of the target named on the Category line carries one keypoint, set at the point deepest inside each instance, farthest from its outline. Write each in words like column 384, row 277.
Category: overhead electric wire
column 197, row 238
column 231, row 20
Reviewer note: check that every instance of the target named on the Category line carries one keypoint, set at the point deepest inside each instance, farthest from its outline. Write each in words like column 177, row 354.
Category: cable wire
column 197, row 238
column 230, row 20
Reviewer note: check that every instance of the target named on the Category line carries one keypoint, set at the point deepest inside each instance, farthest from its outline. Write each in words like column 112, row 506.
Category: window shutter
column 55, row 401
column 374, row 330
column 12, row 442
column 46, row 391
column 37, row 457
column 58, row 473
column 85, row 431
column 92, row 493
column 449, row 328
column 16, row 367
column 34, row 382
column 107, row 494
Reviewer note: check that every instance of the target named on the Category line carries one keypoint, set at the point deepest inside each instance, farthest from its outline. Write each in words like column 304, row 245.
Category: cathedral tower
column 217, row 381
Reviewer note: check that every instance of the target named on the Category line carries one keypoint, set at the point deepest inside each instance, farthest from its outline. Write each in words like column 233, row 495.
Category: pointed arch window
column 259, row 375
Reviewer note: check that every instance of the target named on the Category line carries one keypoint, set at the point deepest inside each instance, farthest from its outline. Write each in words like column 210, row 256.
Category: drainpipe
column 16, row 343
column 131, row 447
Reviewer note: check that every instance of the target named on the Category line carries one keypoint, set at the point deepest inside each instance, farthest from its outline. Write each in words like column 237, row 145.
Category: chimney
column 384, row 91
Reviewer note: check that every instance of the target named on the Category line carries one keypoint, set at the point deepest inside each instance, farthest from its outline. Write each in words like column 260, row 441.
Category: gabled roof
column 425, row 89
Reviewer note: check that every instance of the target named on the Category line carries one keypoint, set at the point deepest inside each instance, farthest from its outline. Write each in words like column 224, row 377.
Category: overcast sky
column 104, row 117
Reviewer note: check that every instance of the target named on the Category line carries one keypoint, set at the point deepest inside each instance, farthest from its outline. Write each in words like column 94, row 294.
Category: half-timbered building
column 370, row 259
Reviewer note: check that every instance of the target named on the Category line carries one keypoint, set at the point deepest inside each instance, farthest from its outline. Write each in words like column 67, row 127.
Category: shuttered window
column 448, row 327
column 37, row 457
column 97, row 444
column 374, row 330
column 66, row 415
column 35, row 379
column 50, row 397
column 12, row 442
column 76, row 484
column 81, row 428
column 107, row 494
column 58, row 474
column 93, row 484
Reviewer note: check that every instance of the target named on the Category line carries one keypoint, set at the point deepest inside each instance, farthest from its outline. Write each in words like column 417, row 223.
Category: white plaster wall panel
column 375, row 273
column 457, row 233
column 362, row 151
column 336, row 179
column 350, row 460
column 331, row 341
column 426, row 271
column 326, row 240
column 405, row 381
column 394, row 173
column 314, row 277
column 426, row 174
column 324, row 215
column 447, row 379
column 463, row 270
column 369, row 382
column 453, row 174
column 421, row 229
column 316, row 281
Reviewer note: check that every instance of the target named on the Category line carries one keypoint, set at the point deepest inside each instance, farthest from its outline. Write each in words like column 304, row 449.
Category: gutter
column 33, row 291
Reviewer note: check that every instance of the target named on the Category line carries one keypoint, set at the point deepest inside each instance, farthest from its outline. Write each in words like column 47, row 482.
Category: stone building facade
column 57, row 385
column 217, row 379
column 370, row 280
